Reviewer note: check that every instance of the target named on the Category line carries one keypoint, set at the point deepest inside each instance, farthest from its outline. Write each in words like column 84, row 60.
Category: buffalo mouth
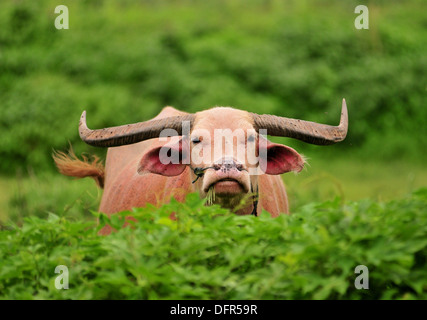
column 227, row 186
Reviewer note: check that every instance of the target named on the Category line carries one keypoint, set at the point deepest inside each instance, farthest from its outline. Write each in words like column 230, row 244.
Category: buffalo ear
column 168, row 160
column 280, row 158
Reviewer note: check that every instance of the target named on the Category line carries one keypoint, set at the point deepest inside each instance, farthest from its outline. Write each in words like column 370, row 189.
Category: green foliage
column 39, row 195
column 209, row 253
column 322, row 179
column 123, row 62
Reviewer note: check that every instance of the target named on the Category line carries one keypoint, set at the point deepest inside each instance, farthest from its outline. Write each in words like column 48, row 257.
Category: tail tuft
column 70, row 165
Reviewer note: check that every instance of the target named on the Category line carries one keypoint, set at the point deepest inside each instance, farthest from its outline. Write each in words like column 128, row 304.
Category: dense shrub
column 124, row 62
column 209, row 253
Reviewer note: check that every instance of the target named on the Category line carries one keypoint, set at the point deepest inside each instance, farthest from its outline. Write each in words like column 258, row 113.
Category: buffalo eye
column 196, row 140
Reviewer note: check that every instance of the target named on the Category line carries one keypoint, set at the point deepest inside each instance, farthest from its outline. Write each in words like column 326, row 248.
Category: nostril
column 227, row 164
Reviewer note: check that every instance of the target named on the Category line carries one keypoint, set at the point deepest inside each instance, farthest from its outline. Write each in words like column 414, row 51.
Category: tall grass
column 322, row 179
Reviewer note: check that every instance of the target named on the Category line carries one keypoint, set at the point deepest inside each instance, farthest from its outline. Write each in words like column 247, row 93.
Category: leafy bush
column 209, row 253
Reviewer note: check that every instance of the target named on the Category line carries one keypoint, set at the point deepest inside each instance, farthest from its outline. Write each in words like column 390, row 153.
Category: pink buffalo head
column 225, row 148
column 225, row 152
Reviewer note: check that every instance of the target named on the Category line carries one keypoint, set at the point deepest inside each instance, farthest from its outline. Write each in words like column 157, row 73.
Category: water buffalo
column 207, row 152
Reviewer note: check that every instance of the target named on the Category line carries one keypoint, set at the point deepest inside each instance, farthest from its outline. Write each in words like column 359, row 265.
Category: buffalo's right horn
column 130, row 133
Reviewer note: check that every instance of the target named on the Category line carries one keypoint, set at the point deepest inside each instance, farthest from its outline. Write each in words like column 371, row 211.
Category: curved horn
column 130, row 133
column 307, row 131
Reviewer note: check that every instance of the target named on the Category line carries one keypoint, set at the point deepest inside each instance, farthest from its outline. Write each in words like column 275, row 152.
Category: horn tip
column 344, row 117
column 83, row 118
column 83, row 126
column 344, row 106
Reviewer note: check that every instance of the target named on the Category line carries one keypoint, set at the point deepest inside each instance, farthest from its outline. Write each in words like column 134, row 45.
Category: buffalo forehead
column 223, row 118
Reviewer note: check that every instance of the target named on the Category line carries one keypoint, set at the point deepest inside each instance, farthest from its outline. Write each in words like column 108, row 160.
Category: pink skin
column 134, row 176
column 231, row 183
column 227, row 183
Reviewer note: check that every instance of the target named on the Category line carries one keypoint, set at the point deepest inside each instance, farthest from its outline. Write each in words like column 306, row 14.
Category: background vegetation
column 123, row 61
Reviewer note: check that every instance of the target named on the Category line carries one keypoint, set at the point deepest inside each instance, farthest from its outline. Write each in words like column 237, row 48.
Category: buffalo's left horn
column 130, row 133
column 307, row 131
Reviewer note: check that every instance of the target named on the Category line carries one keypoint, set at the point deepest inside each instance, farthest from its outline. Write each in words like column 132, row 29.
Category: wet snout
column 228, row 177
column 227, row 165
